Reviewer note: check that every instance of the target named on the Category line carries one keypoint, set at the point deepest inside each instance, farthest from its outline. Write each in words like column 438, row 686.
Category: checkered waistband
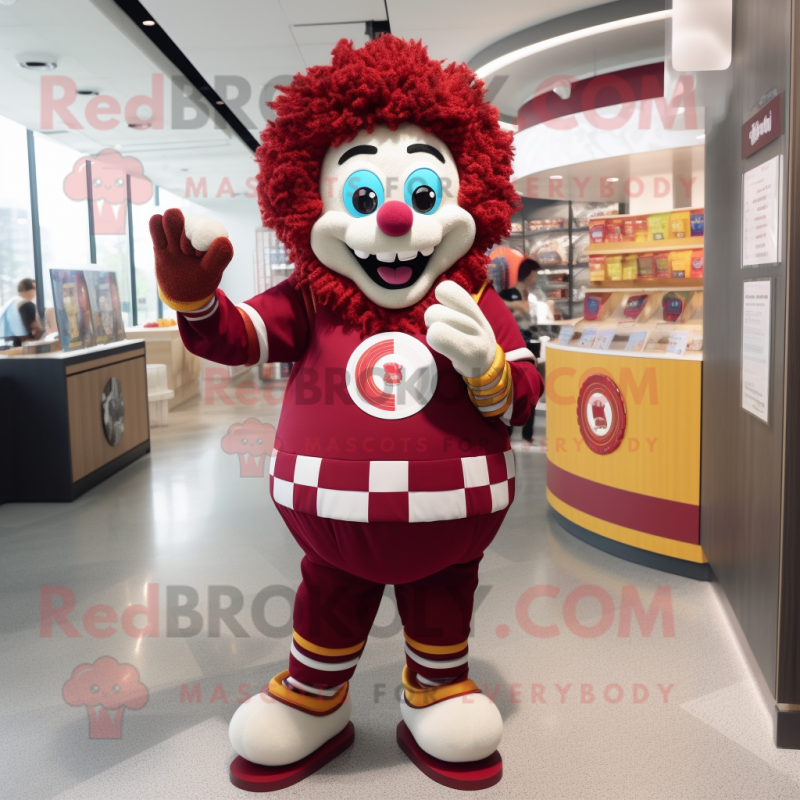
column 392, row 491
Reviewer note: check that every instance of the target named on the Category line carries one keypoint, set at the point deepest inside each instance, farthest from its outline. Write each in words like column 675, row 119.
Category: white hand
column 458, row 330
column 201, row 231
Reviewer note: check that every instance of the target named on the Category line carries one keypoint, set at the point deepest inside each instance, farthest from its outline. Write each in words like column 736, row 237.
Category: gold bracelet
column 183, row 306
column 494, row 371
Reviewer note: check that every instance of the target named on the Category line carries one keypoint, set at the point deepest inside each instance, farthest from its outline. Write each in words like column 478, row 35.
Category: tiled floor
column 587, row 716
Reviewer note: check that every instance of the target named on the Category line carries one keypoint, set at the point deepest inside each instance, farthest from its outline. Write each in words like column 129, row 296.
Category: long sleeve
column 273, row 326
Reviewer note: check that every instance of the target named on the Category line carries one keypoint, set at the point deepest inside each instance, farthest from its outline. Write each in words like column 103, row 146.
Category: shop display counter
column 72, row 419
column 164, row 346
column 624, row 401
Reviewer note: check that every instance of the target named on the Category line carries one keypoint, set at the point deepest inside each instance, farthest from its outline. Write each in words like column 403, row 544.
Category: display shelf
column 659, row 356
column 565, row 230
column 664, row 285
column 651, row 213
column 624, row 248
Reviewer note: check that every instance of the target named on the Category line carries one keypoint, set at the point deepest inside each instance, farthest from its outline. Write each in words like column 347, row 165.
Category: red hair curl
column 388, row 81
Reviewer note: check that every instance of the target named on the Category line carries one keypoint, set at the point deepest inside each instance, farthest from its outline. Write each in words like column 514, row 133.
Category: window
column 63, row 221
column 146, row 287
column 16, row 238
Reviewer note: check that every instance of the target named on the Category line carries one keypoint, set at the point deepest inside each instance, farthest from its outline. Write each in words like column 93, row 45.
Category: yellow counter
column 644, row 495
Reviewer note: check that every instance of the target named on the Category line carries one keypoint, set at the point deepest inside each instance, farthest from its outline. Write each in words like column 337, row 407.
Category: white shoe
column 464, row 728
column 265, row 731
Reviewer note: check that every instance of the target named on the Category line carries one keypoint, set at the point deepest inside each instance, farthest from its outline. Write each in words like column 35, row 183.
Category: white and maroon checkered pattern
column 392, row 491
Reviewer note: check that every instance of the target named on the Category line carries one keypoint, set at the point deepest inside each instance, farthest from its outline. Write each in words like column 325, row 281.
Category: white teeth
column 387, row 257
column 427, row 251
column 361, row 253
column 407, row 255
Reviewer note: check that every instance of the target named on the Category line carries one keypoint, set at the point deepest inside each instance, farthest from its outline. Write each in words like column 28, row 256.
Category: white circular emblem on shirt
column 391, row 376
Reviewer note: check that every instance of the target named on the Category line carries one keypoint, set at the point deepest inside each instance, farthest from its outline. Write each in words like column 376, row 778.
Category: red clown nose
column 395, row 218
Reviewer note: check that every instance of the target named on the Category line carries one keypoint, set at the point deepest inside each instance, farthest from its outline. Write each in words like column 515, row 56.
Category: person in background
column 18, row 319
column 517, row 300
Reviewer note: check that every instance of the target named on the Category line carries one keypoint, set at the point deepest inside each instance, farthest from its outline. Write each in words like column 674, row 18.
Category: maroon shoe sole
column 468, row 776
column 256, row 778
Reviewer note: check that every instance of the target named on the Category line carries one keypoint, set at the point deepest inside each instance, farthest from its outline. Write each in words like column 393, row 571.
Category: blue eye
column 363, row 193
column 423, row 191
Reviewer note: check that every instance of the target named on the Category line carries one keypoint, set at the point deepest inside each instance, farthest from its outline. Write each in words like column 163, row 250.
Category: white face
column 390, row 218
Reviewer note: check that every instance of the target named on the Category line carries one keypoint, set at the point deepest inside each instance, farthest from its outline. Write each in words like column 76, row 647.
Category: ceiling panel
column 256, row 39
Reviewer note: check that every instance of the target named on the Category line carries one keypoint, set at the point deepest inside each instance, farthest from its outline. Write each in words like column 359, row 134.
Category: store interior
column 636, row 620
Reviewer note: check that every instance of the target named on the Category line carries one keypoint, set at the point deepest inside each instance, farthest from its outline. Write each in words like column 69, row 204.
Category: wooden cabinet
column 56, row 420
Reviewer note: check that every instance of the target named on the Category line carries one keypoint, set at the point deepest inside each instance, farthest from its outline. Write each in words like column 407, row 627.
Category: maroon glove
column 186, row 277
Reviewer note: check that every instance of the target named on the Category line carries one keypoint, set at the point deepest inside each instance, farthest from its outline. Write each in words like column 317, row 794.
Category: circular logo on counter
column 601, row 414
column 391, row 376
column 113, row 406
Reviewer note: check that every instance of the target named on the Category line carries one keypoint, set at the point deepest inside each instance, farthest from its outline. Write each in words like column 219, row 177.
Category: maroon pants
column 435, row 577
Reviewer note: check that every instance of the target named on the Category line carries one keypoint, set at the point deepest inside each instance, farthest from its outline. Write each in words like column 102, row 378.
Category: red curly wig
column 388, row 81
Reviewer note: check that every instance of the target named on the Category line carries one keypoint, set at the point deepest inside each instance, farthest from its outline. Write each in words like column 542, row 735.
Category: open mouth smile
column 394, row 270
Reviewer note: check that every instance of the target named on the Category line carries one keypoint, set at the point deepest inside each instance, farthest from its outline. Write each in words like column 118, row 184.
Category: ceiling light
column 118, row 147
column 556, row 177
column 701, row 136
column 612, row 180
column 548, row 44
column 220, row 102
column 38, row 66
column 139, row 126
column 148, row 23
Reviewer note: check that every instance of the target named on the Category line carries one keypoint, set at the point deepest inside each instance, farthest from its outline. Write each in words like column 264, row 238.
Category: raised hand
column 191, row 256
column 458, row 329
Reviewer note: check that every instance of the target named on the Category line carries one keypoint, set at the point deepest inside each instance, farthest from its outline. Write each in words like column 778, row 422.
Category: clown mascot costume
column 386, row 176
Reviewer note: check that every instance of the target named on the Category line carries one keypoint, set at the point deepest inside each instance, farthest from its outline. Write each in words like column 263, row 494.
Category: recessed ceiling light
column 38, row 66
column 612, row 180
column 148, row 23
column 139, row 126
column 220, row 102
column 556, row 177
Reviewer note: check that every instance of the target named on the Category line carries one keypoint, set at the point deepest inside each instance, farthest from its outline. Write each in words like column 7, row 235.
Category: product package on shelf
column 679, row 225
column 614, row 268
column 614, row 231
column 658, row 226
column 697, row 263
column 599, row 307
column 597, row 268
column 630, row 267
column 597, row 231
column 552, row 252
column 647, row 266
